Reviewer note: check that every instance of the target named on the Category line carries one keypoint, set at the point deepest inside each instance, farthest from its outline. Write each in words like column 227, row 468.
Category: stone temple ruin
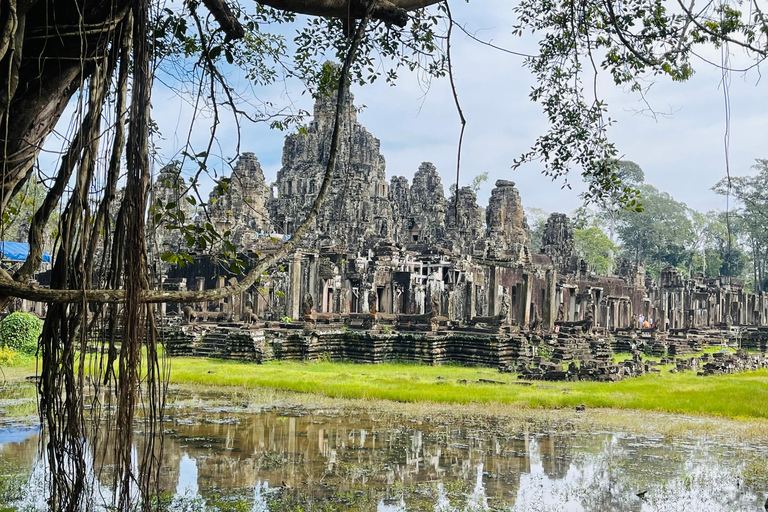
column 397, row 270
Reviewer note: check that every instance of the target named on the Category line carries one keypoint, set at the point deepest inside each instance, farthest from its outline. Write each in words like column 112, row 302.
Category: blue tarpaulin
column 18, row 251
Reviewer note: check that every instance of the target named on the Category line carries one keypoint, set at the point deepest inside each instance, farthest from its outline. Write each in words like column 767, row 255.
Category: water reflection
column 187, row 497
column 37, row 492
column 408, row 465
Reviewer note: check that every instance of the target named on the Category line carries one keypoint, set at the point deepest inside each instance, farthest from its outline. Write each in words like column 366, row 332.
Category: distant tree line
column 663, row 231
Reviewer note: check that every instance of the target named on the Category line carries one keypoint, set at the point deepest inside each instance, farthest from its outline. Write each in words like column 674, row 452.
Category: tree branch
column 389, row 11
column 226, row 19
column 13, row 288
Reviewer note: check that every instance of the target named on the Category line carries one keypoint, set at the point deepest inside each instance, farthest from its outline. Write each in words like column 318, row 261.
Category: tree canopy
column 661, row 233
column 747, row 221
column 595, row 247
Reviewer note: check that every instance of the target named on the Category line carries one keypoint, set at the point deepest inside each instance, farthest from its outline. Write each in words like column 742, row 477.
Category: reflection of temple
column 399, row 249
column 457, row 466
column 555, row 455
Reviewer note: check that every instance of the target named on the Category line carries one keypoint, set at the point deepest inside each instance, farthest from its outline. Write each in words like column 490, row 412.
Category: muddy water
column 281, row 457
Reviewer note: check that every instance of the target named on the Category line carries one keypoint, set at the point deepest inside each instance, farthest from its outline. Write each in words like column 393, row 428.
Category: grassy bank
column 742, row 395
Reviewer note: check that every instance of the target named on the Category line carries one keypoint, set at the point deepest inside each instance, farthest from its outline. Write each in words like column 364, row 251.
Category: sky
column 681, row 153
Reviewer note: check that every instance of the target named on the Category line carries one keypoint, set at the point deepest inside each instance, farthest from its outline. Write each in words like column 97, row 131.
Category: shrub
column 20, row 331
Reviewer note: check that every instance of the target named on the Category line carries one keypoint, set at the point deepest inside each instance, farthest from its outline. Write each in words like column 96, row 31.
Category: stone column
column 344, row 300
column 34, row 306
column 525, row 296
column 549, row 308
column 162, row 308
column 335, row 305
column 294, row 303
column 235, row 303
column 364, row 289
column 472, row 300
column 201, row 287
column 494, row 300
column 314, row 285
column 220, row 283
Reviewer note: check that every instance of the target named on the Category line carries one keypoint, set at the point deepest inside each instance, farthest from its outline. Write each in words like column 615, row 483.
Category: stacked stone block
column 178, row 340
column 234, row 343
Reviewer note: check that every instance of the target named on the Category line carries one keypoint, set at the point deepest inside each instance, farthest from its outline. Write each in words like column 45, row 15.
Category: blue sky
column 682, row 154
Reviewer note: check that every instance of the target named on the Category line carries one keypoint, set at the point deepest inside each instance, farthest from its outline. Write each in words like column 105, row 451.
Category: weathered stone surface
column 508, row 233
column 465, row 222
column 426, row 219
column 242, row 209
column 558, row 243
column 407, row 255
column 400, row 203
column 357, row 209
column 632, row 271
column 169, row 189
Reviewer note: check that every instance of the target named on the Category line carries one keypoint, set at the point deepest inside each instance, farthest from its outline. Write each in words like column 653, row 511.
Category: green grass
column 742, row 395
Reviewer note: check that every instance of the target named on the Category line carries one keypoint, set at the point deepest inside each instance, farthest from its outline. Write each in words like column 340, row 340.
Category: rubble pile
column 721, row 363
column 689, row 364
column 656, row 348
column 711, row 337
column 547, row 370
column 600, row 370
column 600, row 348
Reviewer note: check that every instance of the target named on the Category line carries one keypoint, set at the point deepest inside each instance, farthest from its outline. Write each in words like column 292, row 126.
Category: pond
column 282, row 456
